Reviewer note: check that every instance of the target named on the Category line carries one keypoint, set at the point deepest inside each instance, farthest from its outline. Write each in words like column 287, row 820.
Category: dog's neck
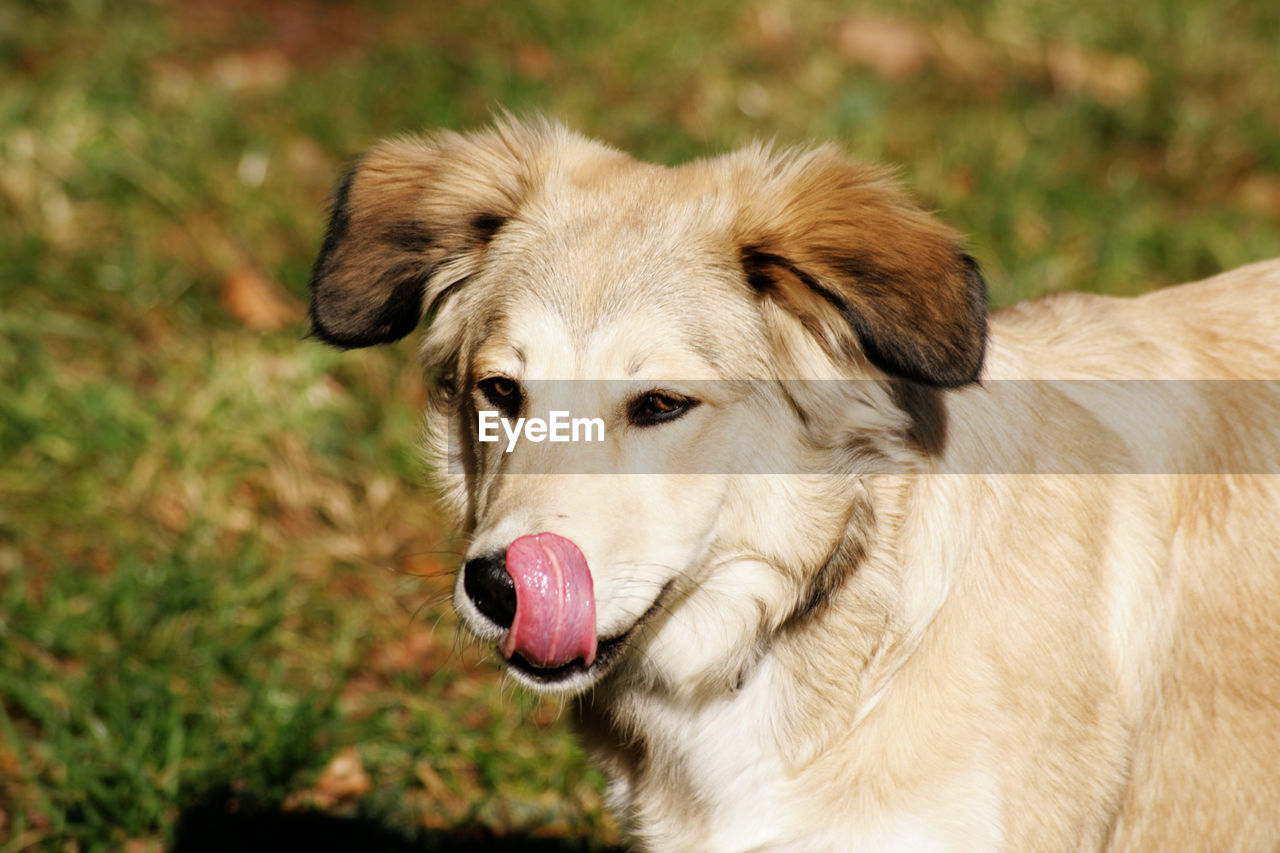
column 685, row 753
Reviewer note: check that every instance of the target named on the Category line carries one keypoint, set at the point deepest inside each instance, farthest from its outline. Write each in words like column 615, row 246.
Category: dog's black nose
column 491, row 589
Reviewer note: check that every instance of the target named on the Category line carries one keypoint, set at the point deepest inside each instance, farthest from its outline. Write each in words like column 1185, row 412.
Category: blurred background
column 223, row 590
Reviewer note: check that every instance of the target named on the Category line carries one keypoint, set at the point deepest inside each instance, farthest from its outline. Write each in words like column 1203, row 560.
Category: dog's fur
column 870, row 652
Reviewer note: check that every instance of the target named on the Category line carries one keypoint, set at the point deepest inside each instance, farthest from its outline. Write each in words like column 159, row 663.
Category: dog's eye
column 503, row 393
column 657, row 407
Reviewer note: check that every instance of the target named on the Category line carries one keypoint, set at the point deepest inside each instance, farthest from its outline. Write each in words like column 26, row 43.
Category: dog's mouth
column 577, row 672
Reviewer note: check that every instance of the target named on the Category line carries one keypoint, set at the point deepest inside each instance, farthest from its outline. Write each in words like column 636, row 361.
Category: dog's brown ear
column 840, row 245
column 409, row 221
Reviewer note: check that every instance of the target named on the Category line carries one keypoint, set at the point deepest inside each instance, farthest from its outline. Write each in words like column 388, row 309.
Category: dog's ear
column 409, row 221
column 843, row 248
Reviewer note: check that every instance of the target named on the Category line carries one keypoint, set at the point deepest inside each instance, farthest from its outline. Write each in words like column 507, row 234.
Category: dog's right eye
column 503, row 393
column 658, row 407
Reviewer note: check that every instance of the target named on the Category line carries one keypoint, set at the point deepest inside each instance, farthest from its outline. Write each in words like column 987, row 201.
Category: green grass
column 219, row 565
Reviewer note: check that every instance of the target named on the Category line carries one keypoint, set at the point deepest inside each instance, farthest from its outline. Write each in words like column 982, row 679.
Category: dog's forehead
column 625, row 276
column 610, row 228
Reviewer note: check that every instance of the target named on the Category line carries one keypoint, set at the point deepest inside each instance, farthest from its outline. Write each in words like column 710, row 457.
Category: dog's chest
column 726, row 756
column 742, row 788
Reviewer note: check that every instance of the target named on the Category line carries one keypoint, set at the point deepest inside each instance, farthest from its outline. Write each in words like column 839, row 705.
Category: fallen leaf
column 265, row 71
column 257, row 302
column 415, row 650
column 143, row 845
column 431, row 780
column 895, row 50
column 770, row 30
column 362, row 696
column 1260, row 194
column 1112, row 79
column 342, row 780
column 309, row 32
column 534, row 60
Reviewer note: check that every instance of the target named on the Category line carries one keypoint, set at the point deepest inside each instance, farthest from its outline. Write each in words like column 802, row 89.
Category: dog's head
column 690, row 319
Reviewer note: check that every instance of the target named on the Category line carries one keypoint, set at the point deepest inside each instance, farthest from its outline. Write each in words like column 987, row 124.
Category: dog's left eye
column 657, row 407
column 503, row 393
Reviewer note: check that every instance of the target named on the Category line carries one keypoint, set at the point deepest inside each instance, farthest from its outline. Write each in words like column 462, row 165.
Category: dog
column 852, row 565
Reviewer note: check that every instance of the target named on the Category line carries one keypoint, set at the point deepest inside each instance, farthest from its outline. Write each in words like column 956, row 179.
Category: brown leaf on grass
column 10, row 769
column 900, row 50
column 342, row 781
column 416, row 650
column 535, row 60
column 255, row 71
column 431, row 781
column 770, row 30
column 304, row 31
column 892, row 49
column 1260, row 194
column 363, row 696
column 344, row 778
column 439, row 805
column 478, row 717
column 170, row 508
column 257, row 302
column 1112, row 79
column 143, row 845
column 304, row 158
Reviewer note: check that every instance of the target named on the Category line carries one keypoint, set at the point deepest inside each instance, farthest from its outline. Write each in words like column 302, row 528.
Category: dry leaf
column 770, row 30
column 431, row 780
column 263, row 71
column 143, row 845
column 415, row 650
column 1110, row 78
column 894, row 50
column 1260, row 194
column 344, row 779
column 257, row 302
column 534, row 60
column 898, row 50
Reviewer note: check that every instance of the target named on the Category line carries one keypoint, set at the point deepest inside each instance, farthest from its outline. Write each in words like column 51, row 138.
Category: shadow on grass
column 213, row 827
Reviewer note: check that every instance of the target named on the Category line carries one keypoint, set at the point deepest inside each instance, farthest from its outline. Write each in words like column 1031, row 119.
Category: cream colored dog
column 845, row 570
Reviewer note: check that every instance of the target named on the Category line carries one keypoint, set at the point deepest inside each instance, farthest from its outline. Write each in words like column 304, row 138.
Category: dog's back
column 1178, row 391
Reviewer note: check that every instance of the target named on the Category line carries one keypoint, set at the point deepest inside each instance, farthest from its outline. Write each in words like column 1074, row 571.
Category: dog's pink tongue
column 555, row 620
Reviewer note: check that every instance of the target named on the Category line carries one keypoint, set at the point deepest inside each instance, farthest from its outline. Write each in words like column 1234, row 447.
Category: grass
column 223, row 590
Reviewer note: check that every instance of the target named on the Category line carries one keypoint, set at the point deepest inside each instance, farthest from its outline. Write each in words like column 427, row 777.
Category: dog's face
column 668, row 312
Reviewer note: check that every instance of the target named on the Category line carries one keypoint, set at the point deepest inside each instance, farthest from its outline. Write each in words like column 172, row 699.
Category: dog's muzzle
column 541, row 592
